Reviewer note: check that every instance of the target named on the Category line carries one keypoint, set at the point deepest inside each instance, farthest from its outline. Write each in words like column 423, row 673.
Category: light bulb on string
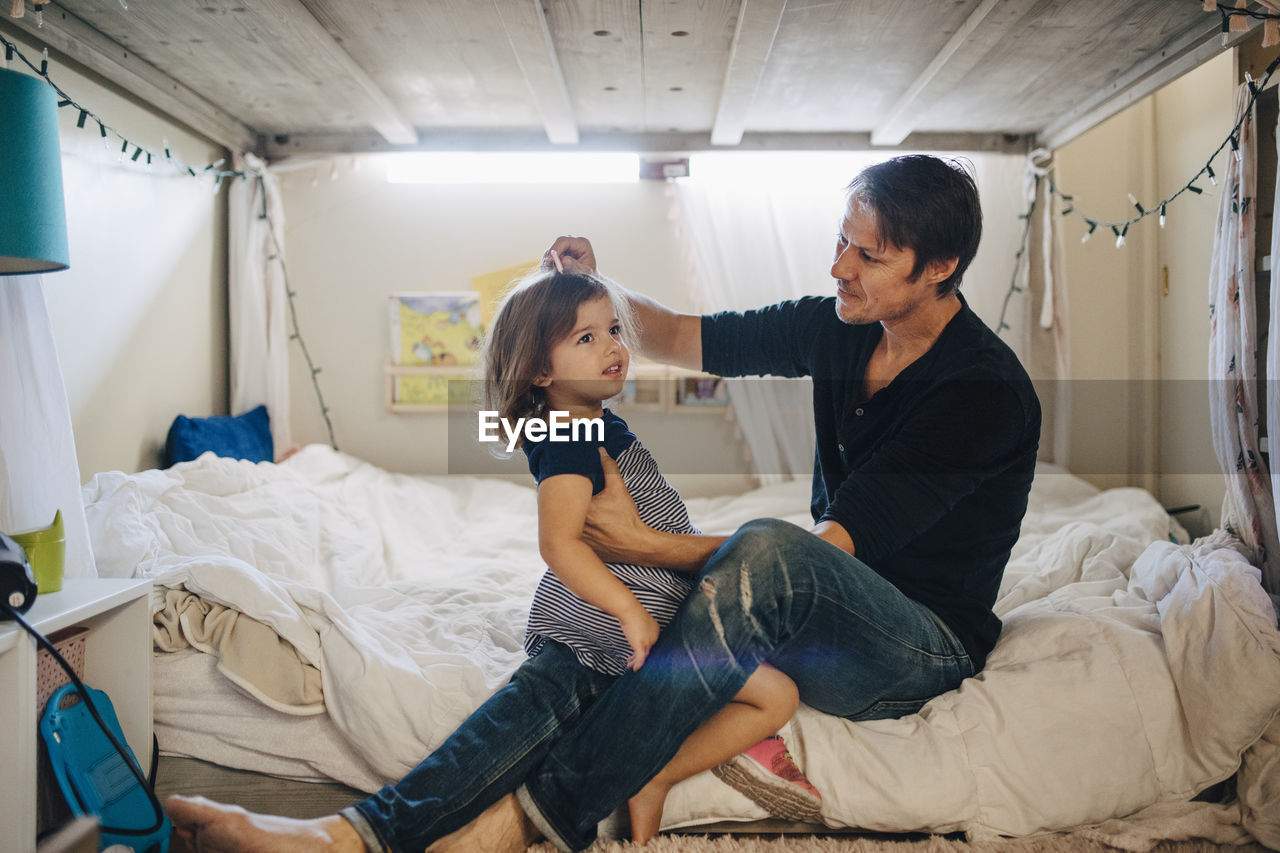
column 1093, row 226
column 1209, row 171
column 1162, row 215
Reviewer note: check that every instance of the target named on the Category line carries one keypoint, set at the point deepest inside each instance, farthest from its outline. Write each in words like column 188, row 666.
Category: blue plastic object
column 94, row 777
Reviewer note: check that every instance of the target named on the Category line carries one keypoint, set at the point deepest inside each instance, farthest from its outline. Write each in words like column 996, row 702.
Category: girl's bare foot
column 209, row 827
column 645, row 809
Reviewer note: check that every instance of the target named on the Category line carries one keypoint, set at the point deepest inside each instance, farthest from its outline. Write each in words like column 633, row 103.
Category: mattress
column 1140, row 665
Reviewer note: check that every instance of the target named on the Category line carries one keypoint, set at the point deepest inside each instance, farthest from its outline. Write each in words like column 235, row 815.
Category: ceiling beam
column 1182, row 54
column 319, row 144
column 966, row 47
column 381, row 114
column 84, row 45
column 530, row 39
column 758, row 22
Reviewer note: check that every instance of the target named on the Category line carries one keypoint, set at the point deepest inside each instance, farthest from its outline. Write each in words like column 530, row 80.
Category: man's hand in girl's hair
column 576, row 255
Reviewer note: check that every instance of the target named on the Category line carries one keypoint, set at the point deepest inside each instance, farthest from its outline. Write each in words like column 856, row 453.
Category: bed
column 323, row 620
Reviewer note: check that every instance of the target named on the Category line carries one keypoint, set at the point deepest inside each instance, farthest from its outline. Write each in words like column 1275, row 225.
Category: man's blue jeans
column 855, row 646
column 485, row 758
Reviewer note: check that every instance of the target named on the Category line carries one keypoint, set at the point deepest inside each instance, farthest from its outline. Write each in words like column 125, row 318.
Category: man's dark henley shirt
column 930, row 475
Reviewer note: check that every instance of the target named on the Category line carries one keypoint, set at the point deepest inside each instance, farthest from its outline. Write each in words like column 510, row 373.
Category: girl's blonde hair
column 536, row 313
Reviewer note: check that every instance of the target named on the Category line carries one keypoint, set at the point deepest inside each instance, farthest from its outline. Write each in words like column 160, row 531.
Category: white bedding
column 1132, row 671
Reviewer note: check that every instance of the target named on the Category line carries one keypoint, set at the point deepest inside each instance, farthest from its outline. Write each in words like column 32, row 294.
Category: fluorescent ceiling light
column 466, row 167
column 786, row 168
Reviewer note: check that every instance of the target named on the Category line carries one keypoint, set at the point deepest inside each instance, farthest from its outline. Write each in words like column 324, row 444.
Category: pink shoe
column 768, row 776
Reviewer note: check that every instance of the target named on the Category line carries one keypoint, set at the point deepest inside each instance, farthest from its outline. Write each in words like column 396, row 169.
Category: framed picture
column 440, row 330
column 706, row 391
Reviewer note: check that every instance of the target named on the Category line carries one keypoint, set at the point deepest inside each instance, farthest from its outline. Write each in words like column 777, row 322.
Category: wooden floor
column 253, row 791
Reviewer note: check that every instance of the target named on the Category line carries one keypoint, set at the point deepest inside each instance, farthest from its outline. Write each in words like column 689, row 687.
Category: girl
column 557, row 344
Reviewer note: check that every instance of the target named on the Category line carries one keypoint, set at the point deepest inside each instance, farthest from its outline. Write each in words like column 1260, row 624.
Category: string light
column 105, row 131
column 1120, row 228
column 1233, row 20
column 213, row 170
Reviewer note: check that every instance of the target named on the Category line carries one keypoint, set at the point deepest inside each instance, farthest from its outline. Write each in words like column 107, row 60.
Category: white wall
column 140, row 317
column 352, row 238
column 1192, row 115
column 1138, row 356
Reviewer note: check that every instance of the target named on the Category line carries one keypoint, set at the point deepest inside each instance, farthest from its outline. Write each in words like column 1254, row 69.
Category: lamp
column 33, row 220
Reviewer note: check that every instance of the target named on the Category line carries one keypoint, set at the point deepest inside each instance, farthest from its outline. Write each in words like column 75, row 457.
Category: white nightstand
column 117, row 661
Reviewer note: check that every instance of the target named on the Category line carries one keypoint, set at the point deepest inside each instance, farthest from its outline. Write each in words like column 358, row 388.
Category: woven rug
column 1066, row 843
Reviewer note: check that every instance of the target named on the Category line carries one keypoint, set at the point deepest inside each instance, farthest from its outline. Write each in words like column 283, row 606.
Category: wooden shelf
column 657, row 386
column 398, row 371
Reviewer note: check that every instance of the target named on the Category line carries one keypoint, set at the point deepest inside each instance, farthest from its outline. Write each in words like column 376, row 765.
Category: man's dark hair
column 925, row 204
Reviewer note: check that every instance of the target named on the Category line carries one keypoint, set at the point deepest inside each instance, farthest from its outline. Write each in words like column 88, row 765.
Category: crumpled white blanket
column 1132, row 672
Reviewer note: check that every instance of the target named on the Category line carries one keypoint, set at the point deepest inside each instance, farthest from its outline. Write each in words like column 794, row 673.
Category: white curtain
column 39, row 474
column 1048, row 354
column 257, row 299
column 1248, row 508
column 1270, row 573
column 753, row 243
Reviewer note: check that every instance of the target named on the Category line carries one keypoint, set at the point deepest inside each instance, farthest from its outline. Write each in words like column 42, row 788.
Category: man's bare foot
column 646, row 810
column 209, row 827
column 501, row 828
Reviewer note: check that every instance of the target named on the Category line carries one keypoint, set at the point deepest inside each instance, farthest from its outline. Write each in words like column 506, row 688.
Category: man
column 927, row 429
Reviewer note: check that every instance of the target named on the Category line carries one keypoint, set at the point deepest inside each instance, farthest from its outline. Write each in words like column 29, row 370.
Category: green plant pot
column 46, row 551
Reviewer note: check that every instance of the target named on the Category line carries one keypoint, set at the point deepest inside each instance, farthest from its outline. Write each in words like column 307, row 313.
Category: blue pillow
column 246, row 436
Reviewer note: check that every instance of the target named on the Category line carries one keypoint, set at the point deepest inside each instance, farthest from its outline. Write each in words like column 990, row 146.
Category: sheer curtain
column 257, row 300
column 39, row 474
column 1248, row 507
column 1271, row 572
column 753, row 242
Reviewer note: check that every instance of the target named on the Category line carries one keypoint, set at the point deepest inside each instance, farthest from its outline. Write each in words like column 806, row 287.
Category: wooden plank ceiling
column 324, row 76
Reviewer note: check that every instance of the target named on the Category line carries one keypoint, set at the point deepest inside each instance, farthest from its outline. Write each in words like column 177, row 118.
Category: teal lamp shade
column 33, row 220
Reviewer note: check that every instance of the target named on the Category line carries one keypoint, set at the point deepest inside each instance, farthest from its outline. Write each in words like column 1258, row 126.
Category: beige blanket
column 254, row 657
